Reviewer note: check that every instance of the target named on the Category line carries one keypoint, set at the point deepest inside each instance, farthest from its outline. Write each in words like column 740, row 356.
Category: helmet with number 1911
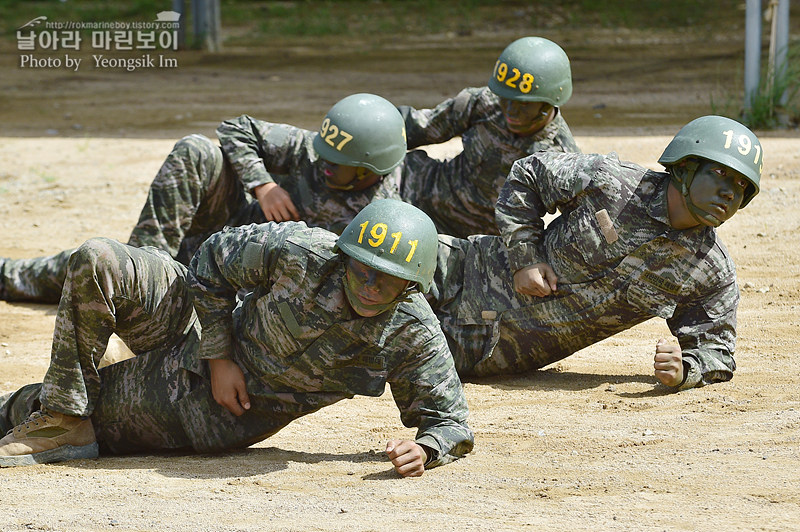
column 393, row 237
column 363, row 130
column 533, row 69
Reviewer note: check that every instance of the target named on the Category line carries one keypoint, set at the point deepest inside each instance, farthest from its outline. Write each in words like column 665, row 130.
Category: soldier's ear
column 679, row 168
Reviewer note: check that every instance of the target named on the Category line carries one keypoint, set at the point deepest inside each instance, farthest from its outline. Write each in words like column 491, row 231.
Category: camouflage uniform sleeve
column 428, row 392
column 706, row 331
column 447, row 120
column 258, row 149
column 235, row 258
column 538, row 184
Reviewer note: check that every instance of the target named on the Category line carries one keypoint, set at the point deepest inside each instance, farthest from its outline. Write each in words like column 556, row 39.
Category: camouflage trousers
column 151, row 401
column 193, row 195
column 472, row 287
column 456, row 206
column 493, row 330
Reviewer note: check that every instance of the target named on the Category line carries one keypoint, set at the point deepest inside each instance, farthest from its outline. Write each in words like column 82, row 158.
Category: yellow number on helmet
column 378, row 232
column 413, row 244
column 527, row 83
column 397, row 236
column 511, row 82
column 502, row 71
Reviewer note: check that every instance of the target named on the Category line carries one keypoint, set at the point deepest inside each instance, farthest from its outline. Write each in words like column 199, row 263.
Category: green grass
column 44, row 175
column 253, row 20
column 14, row 14
column 353, row 18
column 766, row 111
column 647, row 13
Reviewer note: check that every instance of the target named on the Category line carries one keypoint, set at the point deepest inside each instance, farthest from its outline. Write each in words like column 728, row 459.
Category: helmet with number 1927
column 363, row 130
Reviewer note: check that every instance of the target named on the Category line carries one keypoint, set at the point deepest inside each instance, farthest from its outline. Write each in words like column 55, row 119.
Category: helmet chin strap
column 684, row 185
column 542, row 119
column 361, row 174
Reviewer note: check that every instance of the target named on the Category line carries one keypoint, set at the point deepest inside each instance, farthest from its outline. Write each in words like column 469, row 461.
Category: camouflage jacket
column 463, row 190
column 261, row 152
column 618, row 262
column 296, row 334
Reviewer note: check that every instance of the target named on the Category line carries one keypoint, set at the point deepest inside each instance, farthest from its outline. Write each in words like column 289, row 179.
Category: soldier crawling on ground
column 323, row 319
column 322, row 178
column 629, row 244
column 516, row 115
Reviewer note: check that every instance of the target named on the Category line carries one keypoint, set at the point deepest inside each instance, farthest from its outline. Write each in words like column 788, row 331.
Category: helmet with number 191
column 393, row 237
column 718, row 139
column 363, row 130
column 533, row 69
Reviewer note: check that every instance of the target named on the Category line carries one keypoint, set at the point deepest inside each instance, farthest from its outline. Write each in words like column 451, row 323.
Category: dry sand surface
column 588, row 444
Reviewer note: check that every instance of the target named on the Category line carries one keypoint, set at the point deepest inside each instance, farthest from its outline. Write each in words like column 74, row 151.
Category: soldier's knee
column 196, row 146
column 196, row 152
column 93, row 252
column 195, row 142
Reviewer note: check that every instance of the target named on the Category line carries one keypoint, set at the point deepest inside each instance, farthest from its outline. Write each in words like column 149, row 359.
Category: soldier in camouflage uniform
column 629, row 244
column 516, row 115
column 324, row 319
column 322, row 178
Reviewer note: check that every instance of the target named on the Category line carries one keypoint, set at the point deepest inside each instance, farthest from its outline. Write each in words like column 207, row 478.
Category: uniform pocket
column 350, row 364
column 722, row 304
column 583, row 243
column 269, row 344
column 471, row 340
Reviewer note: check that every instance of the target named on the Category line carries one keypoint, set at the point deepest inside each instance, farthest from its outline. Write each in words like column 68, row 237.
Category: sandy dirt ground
column 590, row 443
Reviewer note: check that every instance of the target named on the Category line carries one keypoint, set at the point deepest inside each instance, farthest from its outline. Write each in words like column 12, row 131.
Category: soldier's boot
column 46, row 437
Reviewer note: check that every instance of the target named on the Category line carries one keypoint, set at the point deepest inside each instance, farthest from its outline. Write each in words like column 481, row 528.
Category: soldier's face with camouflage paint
column 717, row 190
column 370, row 291
column 526, row 118
column 341, row 177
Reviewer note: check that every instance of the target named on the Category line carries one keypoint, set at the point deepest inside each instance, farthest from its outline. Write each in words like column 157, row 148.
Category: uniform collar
column 657, row 207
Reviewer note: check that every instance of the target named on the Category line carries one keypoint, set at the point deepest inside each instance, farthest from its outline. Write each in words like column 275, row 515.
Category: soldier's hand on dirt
column 408, row 457
column 228, row 386
column 276, row 203
column 668, row 363
column 536, row 280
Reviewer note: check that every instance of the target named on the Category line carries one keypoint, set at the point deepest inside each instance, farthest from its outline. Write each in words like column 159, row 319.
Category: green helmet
column 721, row 140
column 363, row 130
column 533, row 69
column 395, row 238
